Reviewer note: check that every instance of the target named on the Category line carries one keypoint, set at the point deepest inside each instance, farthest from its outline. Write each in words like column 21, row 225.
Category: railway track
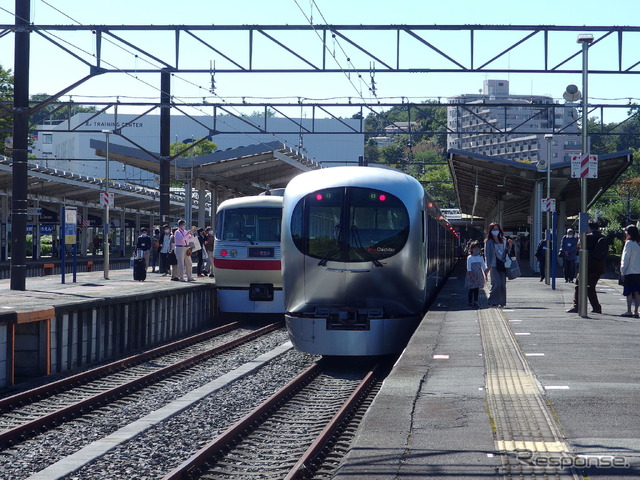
column 287, row 433
column 30, row 412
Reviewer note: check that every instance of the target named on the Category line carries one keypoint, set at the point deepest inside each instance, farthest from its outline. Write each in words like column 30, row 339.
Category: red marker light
column 382, row 197
column 223, row 253
column 319, row 197
column 430, row 204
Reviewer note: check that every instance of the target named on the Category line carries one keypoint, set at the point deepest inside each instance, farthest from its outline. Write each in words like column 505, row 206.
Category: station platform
column 527, row 391
column 53, row 327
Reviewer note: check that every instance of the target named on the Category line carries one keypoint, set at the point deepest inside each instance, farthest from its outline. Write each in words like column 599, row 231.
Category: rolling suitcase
column 139, row 269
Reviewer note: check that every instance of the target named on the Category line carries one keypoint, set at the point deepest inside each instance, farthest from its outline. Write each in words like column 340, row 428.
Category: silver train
column 363, row 252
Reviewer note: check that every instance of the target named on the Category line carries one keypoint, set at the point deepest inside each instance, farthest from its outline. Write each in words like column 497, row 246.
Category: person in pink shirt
column 183, row 238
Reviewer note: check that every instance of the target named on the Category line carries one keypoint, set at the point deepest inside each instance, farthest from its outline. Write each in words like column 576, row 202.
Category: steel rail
column 90, row 403
column 301, row 468
column 43, row 391
column 200, row 458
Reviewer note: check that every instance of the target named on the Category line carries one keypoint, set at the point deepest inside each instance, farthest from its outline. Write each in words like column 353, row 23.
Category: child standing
column 476, row 273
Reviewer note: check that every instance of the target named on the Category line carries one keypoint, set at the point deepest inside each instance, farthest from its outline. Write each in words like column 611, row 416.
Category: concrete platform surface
column 435, row 416
column 47, row 292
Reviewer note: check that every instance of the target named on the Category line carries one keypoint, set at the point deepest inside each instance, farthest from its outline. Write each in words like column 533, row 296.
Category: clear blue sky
column 52, row 69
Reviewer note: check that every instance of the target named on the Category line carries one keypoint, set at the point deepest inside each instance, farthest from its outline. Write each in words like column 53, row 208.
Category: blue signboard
column 70, row 225
column 44, row 229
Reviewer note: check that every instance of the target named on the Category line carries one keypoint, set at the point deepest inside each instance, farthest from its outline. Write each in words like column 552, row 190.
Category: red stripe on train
column 247, row 264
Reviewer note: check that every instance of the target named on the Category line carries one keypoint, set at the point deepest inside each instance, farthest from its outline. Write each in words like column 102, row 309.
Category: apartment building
column 495, row 122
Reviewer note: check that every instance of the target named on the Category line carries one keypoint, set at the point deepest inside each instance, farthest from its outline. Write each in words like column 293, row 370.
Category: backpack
column 600, row 249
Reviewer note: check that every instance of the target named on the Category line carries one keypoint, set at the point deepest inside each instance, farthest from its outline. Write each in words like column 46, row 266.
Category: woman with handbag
column 496, row 248
column 630, row 270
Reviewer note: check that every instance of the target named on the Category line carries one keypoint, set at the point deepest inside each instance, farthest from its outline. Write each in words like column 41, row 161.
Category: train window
column 252, row 224
column 350, row 224
column 379, row 225
column 315, row 225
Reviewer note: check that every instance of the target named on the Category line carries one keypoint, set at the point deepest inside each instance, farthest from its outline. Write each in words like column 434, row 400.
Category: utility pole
column 165, row 144
column 21, row 113
column 585, row 40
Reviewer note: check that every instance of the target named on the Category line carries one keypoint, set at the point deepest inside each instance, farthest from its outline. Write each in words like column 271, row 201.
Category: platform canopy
column 482, row 181
column 247, row 170
column 54, row 186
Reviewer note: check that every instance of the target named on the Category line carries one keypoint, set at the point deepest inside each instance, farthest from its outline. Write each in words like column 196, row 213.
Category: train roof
column 350, row 176
column 273, row 201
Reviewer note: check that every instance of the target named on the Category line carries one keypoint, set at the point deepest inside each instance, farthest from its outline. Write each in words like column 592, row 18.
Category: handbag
column 513, row 271
column 171, row 258
column 189, row 251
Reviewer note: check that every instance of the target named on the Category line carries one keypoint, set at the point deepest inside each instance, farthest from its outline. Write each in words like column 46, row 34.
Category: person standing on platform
column 630, row 270
column 568, row 253
column 200, row 254
column 182, row 239
column 155, row 250
column 172, row 249
column 598, row 248
column 541, row 256
column 495, row 252
column 476, row 273
column 144, row 244
column 164, row 241
column 208, row 246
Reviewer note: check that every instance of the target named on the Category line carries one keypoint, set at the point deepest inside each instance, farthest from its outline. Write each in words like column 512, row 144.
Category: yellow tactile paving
column 520, row 417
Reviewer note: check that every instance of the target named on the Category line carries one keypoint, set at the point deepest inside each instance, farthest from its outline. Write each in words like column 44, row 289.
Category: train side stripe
column 246, row 264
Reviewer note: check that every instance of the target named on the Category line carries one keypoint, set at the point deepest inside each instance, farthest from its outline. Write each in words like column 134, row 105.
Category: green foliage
column 420, row 154
column 6, row 95
column 52, row 113
column 261, row 113
column 203, row 148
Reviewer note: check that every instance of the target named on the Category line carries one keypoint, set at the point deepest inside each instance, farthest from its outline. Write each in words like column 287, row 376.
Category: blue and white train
column 363, row 252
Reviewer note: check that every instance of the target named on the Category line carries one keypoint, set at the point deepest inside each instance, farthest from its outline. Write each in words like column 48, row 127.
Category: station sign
column 70, row 225
column 584, row 166
column 106, row 199
column 548, row 204
column 451, row 213
column 34, row 212
column 44, row 229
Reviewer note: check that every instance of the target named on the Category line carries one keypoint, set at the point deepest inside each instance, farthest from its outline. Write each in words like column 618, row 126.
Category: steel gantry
column 392, row 49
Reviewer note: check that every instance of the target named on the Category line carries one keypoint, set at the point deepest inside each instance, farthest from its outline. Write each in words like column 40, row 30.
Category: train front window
column 379, row 225
column 350, row 224
column 249, row 224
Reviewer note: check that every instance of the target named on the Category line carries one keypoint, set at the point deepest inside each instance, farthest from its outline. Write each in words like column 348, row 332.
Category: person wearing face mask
column 569, row 252
column 164, row 242
column 496, row 248
column 476, row 273
column 144, row 244
column 541, row 256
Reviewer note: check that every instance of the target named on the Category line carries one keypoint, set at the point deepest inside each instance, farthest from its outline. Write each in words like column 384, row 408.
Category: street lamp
column 547, row 269
column 584, row 40
column 105, row 219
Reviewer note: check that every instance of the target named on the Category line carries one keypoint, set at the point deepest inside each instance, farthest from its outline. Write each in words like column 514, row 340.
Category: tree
column 54, row 114
column 6, row 98
column 203, row 148
column 261, row 113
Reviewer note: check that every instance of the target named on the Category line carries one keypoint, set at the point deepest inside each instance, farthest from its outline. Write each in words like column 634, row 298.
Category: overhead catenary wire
column 175, row 99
